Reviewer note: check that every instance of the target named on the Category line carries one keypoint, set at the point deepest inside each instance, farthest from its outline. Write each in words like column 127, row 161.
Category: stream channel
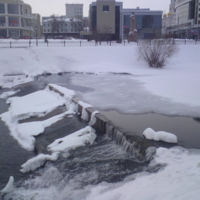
column 84, row 166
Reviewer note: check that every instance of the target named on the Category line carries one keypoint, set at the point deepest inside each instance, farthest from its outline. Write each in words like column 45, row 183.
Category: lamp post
column 110, row 35
column 36, row 36
column 30, row 32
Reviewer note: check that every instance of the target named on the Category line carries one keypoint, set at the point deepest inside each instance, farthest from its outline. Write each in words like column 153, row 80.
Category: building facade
column 147, row 23
column 109, row 17
column 61, row 26
column 74, row 11
column 185, row 19
column 105, row 18
column 17, row 20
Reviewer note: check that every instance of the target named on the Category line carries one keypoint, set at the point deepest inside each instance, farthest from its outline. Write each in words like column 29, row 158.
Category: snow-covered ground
column 172, row 90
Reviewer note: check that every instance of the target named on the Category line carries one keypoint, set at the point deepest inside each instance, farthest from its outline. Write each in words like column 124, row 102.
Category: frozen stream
column 73, row 175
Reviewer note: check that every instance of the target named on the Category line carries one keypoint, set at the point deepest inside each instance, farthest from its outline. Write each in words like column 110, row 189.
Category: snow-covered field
column 176, row 88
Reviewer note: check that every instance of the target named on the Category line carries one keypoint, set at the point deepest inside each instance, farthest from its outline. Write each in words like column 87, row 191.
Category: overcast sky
column 57, row 7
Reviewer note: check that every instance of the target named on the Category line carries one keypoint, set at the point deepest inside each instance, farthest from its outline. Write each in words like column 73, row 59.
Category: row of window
column 63, row 31
column 72, row 24
column 13, row 9
column 11, row 33
column 77, row 8
column 14, row 22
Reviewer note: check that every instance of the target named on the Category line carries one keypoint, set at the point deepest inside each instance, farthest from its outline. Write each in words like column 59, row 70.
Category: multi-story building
column 185, row 22
column 61, row 26
column 74, row 11
column 147, row 23
column 109, row 17
column 17, row 20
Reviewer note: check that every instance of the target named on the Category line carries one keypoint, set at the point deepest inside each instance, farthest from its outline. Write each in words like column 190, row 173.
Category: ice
column 150, row 134
column 68, row 94
column 37, row 162
column 7, row 94
column 35, row 104
column 84, row 105
column 9, row 187
column 74, row 140
column 93, row 118
column 162, row 88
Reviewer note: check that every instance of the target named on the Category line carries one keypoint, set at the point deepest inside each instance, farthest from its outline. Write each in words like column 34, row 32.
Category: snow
column 37, row 162
column 9, row 187
column 84, row 105
column 68, row 94
column 150, row 134
column 35, row 104
column 93, row 118
column 172, row 90
column 178, row 180
column 7, row 94
column 182, row 69
column 79, row 138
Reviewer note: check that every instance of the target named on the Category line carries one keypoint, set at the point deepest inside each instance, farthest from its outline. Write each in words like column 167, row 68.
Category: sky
column 57, row 7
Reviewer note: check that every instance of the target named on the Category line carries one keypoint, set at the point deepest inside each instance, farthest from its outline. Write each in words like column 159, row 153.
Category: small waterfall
column 135, row 145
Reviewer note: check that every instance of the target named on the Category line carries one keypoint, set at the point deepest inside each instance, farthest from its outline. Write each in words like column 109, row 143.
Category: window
column 105, row 8
column 13, row 9
column 13, row 33
column 13, row 21
column 3, row 33
column 2, row 21
column 2, row 8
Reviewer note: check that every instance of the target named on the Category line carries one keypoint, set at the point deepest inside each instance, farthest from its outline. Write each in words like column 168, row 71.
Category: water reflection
column 186, row 129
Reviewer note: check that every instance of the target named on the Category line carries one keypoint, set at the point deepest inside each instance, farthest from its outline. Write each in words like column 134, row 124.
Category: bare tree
column 102, row 35
column 56, row 23
column 155, row 52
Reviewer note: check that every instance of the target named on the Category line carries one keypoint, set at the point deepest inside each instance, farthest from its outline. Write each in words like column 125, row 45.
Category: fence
column 54, row 43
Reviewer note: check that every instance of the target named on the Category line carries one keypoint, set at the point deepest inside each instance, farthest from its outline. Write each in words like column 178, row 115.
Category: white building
column 74, row 11
column 61, row 26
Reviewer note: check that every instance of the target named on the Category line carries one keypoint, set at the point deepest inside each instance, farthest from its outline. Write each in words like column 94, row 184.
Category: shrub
column 155, row 52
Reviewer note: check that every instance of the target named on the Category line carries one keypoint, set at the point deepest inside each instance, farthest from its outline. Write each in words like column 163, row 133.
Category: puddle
column 185, row 128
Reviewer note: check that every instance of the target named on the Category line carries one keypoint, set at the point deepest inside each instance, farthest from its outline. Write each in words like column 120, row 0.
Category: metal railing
column 64, row 43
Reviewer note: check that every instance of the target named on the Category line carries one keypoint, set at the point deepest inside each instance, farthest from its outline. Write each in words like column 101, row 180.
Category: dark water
column 185, row 128
column 11, row 154
column 84, row 166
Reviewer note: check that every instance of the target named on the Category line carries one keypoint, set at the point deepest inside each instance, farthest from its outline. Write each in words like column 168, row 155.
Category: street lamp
column 36, row 36
column 30, row 32
column 110, row 35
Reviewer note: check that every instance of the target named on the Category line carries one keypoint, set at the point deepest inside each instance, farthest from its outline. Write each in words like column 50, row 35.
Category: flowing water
column 109, row 160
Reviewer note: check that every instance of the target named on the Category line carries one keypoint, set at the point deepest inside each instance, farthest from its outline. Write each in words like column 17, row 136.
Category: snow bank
column 37, row 162
column 74, row 140
column 179, row 179
column 35, row 104
column 68, row 94
column 84, row 105
column 93, row 118
column 9, row 187
column 7, row 94
column 150, row 134
column 172, row 85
